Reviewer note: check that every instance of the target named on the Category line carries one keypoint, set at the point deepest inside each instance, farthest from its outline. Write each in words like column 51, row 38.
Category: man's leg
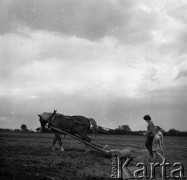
column 150, row 143
column 147, row 145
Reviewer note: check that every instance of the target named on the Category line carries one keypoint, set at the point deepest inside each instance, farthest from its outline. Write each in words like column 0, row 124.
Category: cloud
column 128, row 21
column 47, row 61
column 97, row 58
column 93, row 19
column 182, row 74
column 132, row 22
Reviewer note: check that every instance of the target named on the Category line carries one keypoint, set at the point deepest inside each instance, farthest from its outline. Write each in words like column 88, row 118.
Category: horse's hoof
column 105, row 147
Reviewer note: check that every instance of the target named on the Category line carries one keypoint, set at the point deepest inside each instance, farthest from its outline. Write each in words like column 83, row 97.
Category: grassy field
column 29, row 156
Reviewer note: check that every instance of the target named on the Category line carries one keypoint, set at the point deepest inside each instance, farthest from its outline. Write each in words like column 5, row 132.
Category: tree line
column 121, row 130
column 126, row 130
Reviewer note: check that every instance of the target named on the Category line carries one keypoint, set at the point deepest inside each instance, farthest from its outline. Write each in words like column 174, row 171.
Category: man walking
column 150, row 134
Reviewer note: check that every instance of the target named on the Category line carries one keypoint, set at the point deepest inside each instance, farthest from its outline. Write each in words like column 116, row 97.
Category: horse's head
column 46, row 118
column 43, row 121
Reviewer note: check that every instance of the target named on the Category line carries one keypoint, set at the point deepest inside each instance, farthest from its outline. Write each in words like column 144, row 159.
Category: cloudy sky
column 112, row 60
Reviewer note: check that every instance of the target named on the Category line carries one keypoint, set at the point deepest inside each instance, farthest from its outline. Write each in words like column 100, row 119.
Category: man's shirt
column 151, row 129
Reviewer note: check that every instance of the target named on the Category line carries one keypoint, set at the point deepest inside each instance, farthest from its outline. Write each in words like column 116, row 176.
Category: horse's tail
column 95, row 127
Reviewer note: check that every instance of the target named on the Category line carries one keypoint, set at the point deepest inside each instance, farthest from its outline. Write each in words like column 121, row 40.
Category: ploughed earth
column 29, row 156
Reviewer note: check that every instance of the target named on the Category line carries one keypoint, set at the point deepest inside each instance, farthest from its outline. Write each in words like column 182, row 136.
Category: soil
column 29, row 156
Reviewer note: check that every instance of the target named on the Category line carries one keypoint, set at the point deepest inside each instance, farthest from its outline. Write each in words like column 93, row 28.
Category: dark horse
column 72, row 124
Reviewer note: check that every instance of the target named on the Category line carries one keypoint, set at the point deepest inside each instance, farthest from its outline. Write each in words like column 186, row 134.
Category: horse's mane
column 46, row 115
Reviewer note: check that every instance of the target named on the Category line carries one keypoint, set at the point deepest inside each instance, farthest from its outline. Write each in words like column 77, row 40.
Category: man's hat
column 147, row 117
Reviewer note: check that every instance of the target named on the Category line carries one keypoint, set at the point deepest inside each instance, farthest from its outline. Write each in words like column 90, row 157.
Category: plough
column 113, row 152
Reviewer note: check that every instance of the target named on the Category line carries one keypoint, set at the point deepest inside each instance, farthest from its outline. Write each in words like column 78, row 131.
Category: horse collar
column 52, row 120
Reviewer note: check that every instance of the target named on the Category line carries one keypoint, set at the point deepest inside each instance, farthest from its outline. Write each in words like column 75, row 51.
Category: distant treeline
column 121, row 130
column 16, row 130
column 125, row 130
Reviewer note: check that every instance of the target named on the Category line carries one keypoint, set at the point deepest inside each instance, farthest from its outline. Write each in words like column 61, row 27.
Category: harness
column 51, row 120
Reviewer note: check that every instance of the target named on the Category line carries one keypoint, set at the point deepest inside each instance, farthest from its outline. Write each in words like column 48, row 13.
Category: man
column 150, row 134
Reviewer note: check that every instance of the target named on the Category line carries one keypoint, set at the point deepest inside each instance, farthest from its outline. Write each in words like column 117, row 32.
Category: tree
column 17, row 130
column 125, row 128
column 24, row 127
column 173, row 132
column 121, row 130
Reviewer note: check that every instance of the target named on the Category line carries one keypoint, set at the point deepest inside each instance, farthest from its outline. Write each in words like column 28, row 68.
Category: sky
column 111, row 60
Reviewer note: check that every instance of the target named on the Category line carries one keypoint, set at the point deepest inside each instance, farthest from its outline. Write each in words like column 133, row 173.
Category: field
column 29, row 156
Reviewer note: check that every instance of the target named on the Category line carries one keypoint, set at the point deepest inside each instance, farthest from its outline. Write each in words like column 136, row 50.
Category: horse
column 79, row 125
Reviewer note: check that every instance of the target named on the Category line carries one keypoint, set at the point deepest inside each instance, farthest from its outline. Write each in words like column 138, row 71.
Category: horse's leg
column 54, row 142
column 154, row 154
column 87, row 139
column 83, row 133
column 60, row 142
column 64, row 137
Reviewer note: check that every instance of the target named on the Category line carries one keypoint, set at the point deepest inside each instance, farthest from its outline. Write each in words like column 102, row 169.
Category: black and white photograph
column 93, row 89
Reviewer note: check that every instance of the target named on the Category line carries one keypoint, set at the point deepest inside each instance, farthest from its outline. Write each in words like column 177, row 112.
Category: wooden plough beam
column 80, row 139
column 113, row 152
